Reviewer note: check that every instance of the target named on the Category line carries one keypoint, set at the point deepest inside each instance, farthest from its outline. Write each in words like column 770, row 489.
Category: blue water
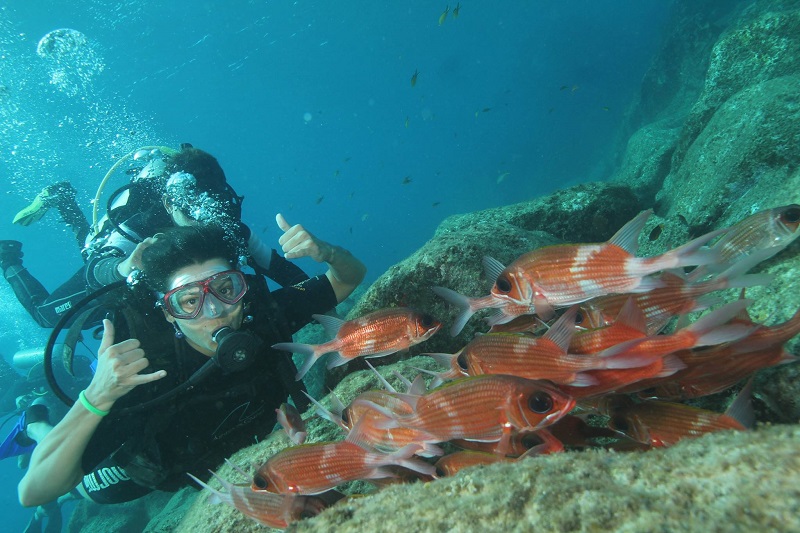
column 310, row 109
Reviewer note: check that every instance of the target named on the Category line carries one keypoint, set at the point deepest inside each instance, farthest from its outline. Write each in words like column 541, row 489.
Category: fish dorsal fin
column 631, row 316
column 404, row 380
column 627, row 237
column 492, row 267
column 386, row 384
column 562, row 331
column 418, row 386
column 330, row 323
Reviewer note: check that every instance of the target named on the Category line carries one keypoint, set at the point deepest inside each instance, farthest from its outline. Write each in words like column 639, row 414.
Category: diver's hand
column 134, row 261
column 296, row 242
column 118, row 367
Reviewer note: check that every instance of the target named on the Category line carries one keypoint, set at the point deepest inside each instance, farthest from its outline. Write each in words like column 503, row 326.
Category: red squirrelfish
column 677, row 296
column 315, row 468
column 660, row 423
column 376, row 334
column 485, row 408
column 770, row 230
column 543, row 357
column 562, row 275
column 271, row 510
column 292, row 423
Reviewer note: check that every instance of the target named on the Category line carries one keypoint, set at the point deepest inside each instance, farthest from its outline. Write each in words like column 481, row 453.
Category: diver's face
column 215, row 314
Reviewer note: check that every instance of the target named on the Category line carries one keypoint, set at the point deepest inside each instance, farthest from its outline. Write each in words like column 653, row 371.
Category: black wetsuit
column 130, row 455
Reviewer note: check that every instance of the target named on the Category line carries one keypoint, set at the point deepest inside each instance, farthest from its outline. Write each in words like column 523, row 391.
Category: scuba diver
column 185, row 187
column 195, row 379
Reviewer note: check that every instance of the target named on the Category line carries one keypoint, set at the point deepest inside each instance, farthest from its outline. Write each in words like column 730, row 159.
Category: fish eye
column 440, row 472
column 541, row 402
column 260, row 482
column 462, row 361
column 427, row 321
column 791, row 215
column 578, row 318
column 346, row 416
column 503, row 285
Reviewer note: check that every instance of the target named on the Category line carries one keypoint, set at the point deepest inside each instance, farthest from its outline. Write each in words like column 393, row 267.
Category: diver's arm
column 55, row 466
column 345, row 272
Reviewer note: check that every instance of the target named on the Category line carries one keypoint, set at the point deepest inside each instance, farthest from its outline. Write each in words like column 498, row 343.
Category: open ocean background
column 310, row 109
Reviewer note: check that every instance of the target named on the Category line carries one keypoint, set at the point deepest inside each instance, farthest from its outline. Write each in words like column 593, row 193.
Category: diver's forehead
column 197, row 272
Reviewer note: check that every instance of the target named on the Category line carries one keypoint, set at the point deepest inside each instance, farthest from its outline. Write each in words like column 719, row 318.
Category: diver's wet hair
column 179, row 247
column 203, row 166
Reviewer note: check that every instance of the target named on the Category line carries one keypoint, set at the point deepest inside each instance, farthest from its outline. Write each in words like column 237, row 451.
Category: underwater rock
column 726, row 481
column 157, row 507
column 744, row 160
column 764, row 43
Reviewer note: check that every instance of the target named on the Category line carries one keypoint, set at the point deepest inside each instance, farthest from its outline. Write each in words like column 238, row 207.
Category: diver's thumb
column 108, row 336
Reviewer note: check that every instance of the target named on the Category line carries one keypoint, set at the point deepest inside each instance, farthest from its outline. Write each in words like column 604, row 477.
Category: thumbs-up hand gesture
column 297, row 241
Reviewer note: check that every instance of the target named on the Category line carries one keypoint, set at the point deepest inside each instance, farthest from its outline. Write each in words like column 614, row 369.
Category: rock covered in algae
column 730, row 481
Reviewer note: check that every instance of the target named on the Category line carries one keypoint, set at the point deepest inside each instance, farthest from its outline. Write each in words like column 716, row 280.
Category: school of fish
column 578, row 355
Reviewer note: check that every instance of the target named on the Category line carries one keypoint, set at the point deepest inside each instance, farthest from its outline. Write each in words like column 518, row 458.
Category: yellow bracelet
column 89, row 407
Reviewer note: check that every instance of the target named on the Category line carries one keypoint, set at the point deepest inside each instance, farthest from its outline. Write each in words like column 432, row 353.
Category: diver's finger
column 108, row 336
column 282, row 222
column 140, row 379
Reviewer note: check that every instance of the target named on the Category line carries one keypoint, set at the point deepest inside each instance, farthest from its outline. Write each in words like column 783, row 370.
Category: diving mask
column 189, row 300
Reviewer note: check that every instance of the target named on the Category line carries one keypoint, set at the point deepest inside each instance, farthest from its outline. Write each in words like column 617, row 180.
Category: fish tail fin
column 670, row 364
column 690, row 254
column 463, row 303
column 309, row 350
column 712, row 329
column 404, row 457
column 448, row 360
column 625, row 360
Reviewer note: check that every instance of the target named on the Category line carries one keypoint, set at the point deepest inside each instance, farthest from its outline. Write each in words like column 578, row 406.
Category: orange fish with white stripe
column 562, row 275
column 315, row 468
column 543, row 357
column 484, row 408
column 376, row 334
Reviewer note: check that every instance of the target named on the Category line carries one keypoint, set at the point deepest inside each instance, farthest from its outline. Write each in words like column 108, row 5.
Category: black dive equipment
column 236, row 351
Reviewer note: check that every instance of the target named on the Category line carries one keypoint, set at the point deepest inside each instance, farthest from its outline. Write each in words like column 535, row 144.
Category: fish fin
column 336, row 359
column 562, row 331
column 331, row 324
column 299, row 437
column 711, row 329
column 461, row 302
column 402, row 379
column 690, row 254
column 741, row 409
column 216, row 495
column 404, row 457
column 322, row 412
column 309, row 350
column 734, row 275
column 417, row 387
column 386, row 384
column 623, row 361
column 670, row 364
column 583, row 379
column 384, row 353
column 438, row 377
column 543, row 309
column 632, row 316
column 627, row 237
column 492, row 268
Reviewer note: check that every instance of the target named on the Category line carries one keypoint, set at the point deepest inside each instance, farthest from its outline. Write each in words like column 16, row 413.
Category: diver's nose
column 212, row 307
